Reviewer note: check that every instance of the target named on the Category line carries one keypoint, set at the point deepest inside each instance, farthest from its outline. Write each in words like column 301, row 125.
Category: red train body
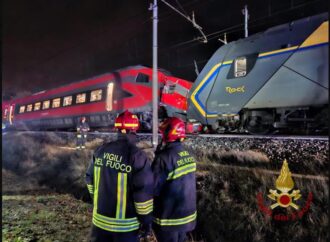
column 99, row 99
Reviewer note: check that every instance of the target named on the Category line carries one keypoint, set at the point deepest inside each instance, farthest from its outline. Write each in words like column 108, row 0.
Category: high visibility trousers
column 81, row 140
column 100, row 235
column 170, row 236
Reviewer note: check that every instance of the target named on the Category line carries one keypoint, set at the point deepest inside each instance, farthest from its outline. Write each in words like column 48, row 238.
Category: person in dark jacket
column 82, row 129
column 175, row 185
column 120, row 182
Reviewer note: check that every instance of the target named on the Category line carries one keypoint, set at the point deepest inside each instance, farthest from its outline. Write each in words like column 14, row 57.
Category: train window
column 22, row 109
column 37, row 106
column 67, row 101
column 171, row 89
column 240, row 67
column 81, row 98
column 142, row 78
column 56, row 103
column 29, row 108
column 46, row 104
column 96, row 95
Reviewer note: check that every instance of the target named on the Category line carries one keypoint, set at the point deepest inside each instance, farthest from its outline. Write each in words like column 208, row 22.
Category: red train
column 99, row 99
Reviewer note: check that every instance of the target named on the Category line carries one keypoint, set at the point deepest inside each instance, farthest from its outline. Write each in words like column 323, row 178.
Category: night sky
column 50, row 43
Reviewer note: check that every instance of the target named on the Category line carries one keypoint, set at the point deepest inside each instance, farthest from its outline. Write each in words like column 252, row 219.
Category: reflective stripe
column 126, row 125
column 90, row 188
column 177, row 221
column 78, row 135
column 121, row 195
column 97, row 171
column 144, row 208
column 183, row 170
column 115, row 224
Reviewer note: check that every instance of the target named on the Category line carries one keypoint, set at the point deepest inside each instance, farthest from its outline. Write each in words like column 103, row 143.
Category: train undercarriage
column 301, row 120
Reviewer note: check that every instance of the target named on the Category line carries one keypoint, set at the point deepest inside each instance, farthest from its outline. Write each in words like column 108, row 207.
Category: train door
column 11, row 114
column 109, row 98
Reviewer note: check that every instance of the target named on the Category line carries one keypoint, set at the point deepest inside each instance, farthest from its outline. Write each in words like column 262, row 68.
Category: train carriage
column 99, row 99
column 271, row 80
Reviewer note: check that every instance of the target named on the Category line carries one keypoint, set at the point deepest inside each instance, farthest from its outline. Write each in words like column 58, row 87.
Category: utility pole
column 154, row 8
column 246, row 18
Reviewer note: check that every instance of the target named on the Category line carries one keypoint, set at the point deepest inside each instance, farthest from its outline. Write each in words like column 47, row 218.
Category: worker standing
column 120, row 182
column 175, row 185
column 82, row 129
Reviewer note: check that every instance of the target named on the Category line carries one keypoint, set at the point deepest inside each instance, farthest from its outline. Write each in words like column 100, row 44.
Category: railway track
column 227, row 136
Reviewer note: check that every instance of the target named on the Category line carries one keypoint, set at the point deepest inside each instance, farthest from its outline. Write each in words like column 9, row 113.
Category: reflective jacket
column 175, row 189
column 121, row 183
column 82, row 128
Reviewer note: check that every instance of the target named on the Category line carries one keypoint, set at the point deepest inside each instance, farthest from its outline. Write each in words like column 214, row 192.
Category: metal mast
column 246, row 18
column 154, row 75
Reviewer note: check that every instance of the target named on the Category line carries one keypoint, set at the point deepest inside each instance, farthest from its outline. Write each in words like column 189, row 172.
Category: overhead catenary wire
column 191, row 20
column 239, row 27
column 211, row 36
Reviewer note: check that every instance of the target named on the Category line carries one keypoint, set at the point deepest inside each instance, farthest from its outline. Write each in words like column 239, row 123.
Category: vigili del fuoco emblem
column 284, row 184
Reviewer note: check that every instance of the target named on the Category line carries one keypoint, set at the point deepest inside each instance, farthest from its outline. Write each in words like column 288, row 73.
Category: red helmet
column 127, row 121
column 173, row 129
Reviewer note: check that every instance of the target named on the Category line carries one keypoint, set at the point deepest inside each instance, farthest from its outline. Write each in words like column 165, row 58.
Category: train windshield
column 109, row 101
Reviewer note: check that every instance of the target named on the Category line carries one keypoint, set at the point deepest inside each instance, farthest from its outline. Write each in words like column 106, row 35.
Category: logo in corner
column 284, row 184
column 284, row 196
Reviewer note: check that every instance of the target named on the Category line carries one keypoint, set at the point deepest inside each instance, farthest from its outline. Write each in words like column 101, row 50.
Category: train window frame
column 78, row 96
column 21, row 109
column 65, row 99
column 171, row 88
column 58, row 99
column 98, row 95
column 29, row 107
column 37, row 106
column 242, row 70
column 45, row 106
column 142, row 78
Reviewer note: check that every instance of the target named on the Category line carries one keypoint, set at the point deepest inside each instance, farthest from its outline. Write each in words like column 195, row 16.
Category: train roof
column 133, row 67
column 290, row 25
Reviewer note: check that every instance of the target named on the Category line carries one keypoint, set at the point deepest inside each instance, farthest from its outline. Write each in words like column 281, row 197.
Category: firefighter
column 120, row 182
column 82, row 129
column 175, row 185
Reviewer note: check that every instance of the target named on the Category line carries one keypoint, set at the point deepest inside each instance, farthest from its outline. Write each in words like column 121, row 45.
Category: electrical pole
column 246, row 18
column 154, row 75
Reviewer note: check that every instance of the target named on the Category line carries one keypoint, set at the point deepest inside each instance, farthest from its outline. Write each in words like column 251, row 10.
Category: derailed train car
column 99, row 99
column 271, row 80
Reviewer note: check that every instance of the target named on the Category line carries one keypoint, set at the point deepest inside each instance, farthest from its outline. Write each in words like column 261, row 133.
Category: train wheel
column 258, row 125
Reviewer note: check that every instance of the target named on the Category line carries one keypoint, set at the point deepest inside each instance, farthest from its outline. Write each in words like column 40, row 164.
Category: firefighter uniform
column 175, row 190
column 120, row 182
column 82, row 129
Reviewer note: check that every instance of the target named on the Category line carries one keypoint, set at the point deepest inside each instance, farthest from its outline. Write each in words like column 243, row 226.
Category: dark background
column 54, row 42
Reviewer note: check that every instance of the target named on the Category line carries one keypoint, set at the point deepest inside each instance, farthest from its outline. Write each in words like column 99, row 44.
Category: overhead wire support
column 191, row 20
column 154, row 8
column 224, row 40
column 245, row 12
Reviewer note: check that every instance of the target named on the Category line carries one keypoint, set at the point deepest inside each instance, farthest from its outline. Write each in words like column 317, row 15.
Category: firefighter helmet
column 173, row 129
column 127, row 121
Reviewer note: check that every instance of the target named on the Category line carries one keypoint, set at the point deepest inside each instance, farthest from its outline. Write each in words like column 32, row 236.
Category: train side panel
column 285, row 66
column 125, row 89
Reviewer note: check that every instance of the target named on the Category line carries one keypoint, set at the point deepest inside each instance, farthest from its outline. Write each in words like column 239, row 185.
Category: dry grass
column 228, row 181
